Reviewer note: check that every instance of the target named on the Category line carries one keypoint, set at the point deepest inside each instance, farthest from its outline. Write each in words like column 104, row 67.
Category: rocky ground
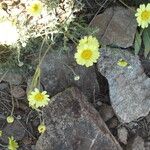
column 106, row 109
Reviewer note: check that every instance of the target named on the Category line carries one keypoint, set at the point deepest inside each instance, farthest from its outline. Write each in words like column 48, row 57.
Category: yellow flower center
column 39, row 97
column 35, row 8
column 86, row 54
column 145, row 15
column 41, row 129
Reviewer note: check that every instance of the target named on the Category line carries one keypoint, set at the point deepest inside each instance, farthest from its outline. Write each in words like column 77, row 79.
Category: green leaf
column 146, row 41
column 137, row 43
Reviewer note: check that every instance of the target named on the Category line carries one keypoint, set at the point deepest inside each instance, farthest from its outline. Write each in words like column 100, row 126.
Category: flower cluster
column 23, row 19
column 143, row 15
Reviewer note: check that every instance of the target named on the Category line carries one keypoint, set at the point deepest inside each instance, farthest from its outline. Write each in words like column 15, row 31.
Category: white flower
column 8, row 33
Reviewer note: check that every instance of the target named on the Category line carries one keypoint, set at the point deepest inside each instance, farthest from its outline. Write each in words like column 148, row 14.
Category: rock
column 15, row 129
column 136, row 144
column 73, row 124
column 12, row 78
column 112, row 123
column 128, row 86
column 57, row 74
column 18, row 92
column 117, row 26
column 122, row 135
column 106, row 112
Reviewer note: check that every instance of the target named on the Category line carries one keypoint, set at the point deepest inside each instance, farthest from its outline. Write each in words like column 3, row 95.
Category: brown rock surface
column 73, row 124
column 117, row 26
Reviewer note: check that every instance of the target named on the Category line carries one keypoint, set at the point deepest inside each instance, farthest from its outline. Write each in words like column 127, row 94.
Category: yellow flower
column 122, row 63
column 87, row 51
column 10, row 119
column 35, row 8
column 38, row 99
column 13, row 145
column 143, row 15
column 41, row 128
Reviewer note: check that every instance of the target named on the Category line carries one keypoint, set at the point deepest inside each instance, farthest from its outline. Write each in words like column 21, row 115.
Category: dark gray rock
column 106, row 112
column 57, row 74
column 129, row 86
column 117, row 26
column 112, row 123
column 73, row 124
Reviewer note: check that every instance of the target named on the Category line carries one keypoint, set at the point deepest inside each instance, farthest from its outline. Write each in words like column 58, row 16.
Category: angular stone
column 57, row 74
column 117, row 26
column 73, row 124
column 128, row 86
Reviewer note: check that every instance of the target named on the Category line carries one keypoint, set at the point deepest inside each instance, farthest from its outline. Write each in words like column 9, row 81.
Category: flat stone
column 73, row 124
column 116, row 26
column 58, row 70
column 128, row 86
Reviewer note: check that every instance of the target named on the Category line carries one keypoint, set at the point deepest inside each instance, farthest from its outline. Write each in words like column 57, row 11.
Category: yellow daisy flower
column 38, row 99
column 35, row 8
column 122, row 63
column 87, row 51
column 143, row 15
column 41, row 128
column 13, row 145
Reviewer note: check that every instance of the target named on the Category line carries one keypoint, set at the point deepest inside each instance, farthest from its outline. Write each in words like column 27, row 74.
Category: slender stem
column 12, row 101
column 141, row 31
